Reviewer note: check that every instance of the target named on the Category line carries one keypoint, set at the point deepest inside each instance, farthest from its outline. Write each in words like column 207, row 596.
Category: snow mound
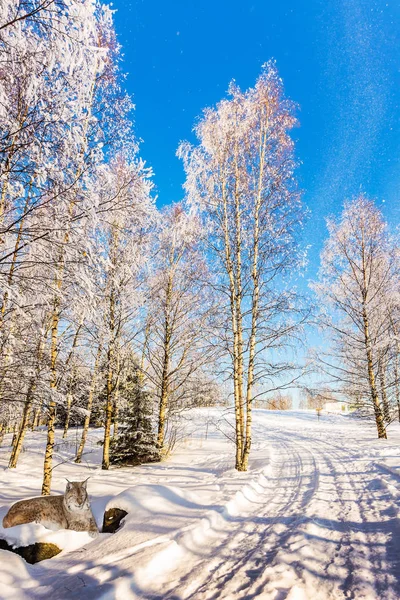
column 15, row 576
column 143, row 501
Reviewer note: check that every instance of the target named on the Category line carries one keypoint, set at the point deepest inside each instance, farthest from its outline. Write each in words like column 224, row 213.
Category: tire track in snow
column 370, row 525
column 360, row 562
column 279, row 526
column 315, row 531
column 246, row 541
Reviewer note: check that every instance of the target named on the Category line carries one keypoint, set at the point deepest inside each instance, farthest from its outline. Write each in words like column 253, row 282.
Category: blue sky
column 339, row 60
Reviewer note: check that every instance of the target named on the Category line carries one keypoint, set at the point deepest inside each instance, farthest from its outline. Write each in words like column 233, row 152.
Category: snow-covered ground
column 315, row 518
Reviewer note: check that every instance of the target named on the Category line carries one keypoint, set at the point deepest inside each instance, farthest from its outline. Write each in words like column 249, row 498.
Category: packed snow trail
column 315, row 519
column 312, row 529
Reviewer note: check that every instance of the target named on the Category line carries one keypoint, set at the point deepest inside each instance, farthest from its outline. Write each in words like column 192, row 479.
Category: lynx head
column 75, row 497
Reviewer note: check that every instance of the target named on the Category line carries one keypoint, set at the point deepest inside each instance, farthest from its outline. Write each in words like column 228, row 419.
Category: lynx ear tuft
column 84, row 483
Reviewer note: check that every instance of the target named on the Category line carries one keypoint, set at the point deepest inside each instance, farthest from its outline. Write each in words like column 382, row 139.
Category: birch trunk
column 379, row 420
column 233, row 315
column 380, row 424
column 164, row 395
column 27, row 408
column 47, row 468
column 143, row 355
column 15, row 436
column 55, row 319
column 115, row 401
column 48, row 457
column 238, row 307
column 71, row 379
column 254, row 304
column 67, row 415
column 382, row 383
column 17, row 447
column 36, row 418
column 88, row 408
column 396, row 363
column 109, row 386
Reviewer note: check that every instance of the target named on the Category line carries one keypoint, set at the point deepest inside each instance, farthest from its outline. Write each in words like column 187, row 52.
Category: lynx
column 68, row 511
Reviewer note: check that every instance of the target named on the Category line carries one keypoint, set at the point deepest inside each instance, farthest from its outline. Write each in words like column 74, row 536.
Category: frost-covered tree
column 358, row 282
column 240, row 177
column 102, row 94
column 63, row 113
column 121, row 240
column 15, row 11
column 179, row 313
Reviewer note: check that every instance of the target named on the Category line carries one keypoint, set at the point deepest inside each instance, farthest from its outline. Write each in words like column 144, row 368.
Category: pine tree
column 135, row 442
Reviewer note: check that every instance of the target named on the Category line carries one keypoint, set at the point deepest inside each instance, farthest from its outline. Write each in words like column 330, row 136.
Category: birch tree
column 177, row 343
column 358, row 280
column 240, row 176
column 62, row 111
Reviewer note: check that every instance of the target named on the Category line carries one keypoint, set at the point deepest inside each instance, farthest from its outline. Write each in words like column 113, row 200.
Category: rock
column 112, row 519
column 34, row 552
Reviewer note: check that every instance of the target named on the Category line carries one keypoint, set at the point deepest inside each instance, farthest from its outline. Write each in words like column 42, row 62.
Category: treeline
column 110, row 308
column 96, row 284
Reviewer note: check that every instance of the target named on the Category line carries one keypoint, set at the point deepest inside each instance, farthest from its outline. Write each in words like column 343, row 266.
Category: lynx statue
column 69, row 511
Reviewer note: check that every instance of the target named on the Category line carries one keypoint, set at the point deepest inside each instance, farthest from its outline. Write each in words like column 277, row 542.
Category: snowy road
column 315, row 519
column 317, row 524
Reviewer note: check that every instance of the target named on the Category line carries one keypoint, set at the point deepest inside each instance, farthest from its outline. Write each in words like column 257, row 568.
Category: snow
column 315, row 518
column 30, row 533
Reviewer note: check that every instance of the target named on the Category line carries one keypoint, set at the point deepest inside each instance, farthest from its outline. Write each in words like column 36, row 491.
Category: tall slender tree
column 240, row 177
column 177, row 343
column 357, row 281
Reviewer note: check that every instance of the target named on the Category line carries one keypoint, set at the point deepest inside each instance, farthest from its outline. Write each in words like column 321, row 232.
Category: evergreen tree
column 135, row 442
